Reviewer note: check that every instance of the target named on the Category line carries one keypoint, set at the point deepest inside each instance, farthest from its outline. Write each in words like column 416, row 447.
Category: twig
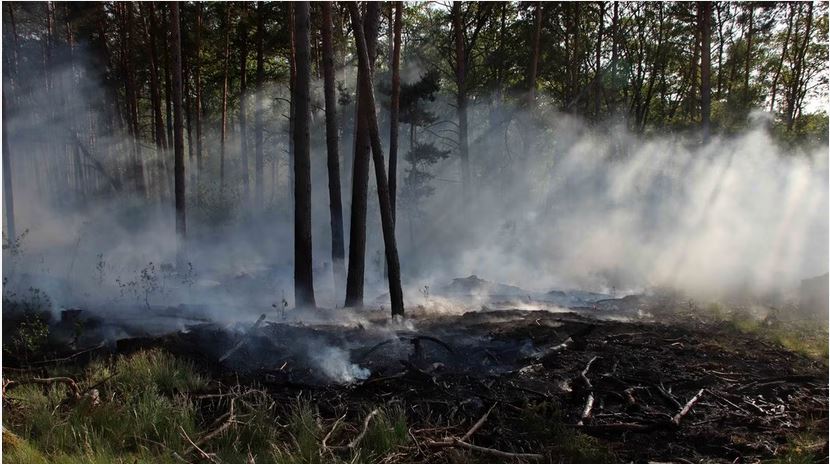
column 547, row 351
column 455, row 442
column 70, row 357
column 589, row 402
column 478, row 424
column 231, row 418
column 360, row 436
column 244, row 339
column 202, row 452
column 328, row 435
column 9, row 384
column 688, row 407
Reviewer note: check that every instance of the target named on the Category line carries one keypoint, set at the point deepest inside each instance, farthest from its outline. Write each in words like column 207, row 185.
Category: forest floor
column 483, row 386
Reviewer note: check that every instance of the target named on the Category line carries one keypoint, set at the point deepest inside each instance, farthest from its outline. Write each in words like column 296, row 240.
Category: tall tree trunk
column 168, row 86
column 131, row 92
column 790, row 14
column 292, row 80
column 243, row 106
column 197, row 76
column 155, row 86
column 178, row 136
column 719, row 6
column 223, row 131
column 748, row 58
column 797, row 72
column 598, row 60
column 705, row 14
column 394, row 110
column 338, row 253
column 387, row 223
column 461, row 99
column 303, row 275
column 534, row 57
column 260, row 78
column 360, row 170
column 8, row 191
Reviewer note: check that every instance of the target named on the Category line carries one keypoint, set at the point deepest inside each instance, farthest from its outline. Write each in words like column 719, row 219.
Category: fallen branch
column 353, row 444
column 589, row 402
column 231, row 418
column 478, row 424
column 616, row 427
column 455, row 442
column 687, row 407
column 76, row 392
column 244, row 339
column 328, row 435
column 202, row 452
column 553, row 349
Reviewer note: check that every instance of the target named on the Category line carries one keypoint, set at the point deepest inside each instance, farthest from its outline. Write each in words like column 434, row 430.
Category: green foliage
column 544, row 422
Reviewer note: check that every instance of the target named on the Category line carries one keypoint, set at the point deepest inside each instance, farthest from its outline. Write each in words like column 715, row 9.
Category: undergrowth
column 149, row 409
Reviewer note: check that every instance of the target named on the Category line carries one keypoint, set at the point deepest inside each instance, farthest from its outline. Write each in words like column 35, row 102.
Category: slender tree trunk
column 719, row 6
column 534, row 57
column 224, row 123
column 178, row 136
column 243, row 106
column 748, row 58
column 783, row 57
column 260, row 78
column 197, row 76
column 387, row 223
column 797, row 73
column 705, row 13
column 155, row 86
column 292, row 79
column 338, row 253
column 360, row 171
column 8, row 191
column 131, row 91
column 168, row 87
column 597, row 60
column 461, row 99
column 303, row 275
column 394, row 110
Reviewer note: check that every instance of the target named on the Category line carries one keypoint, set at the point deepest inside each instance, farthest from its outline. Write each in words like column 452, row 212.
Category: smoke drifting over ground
column 555, row 203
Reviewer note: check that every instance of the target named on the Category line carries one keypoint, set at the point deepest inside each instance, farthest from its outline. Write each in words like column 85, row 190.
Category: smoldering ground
column 555, row 203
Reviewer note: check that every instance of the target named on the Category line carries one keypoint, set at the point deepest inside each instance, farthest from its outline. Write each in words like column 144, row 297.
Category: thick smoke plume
column 556, row 203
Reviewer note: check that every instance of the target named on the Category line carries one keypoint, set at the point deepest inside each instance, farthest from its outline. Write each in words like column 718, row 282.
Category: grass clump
column 140, row 408
column 544, row 423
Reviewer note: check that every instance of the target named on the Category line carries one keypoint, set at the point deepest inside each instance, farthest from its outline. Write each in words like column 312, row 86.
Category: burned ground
column 562, row 387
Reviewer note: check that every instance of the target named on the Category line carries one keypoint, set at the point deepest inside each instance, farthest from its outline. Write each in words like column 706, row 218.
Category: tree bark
column 155, row 85
column 8, row 191
column 243, row 106
column 705, row 13
column 461, row 99
column 338, row 253
column 534, row 58
column 748, row 58
column 598, row 62
column 178, row 135
column 360, row 171
column 394, row 110
column 260, row 78
column 197, row 76
column 783, row 57
column 303, row 275
column 367, row 94
column 224, row 123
